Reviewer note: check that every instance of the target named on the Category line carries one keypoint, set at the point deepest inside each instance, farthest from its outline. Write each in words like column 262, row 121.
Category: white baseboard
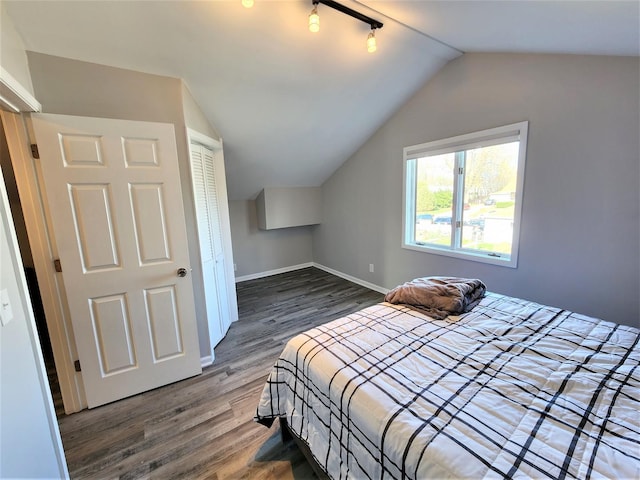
column 300, row 266
column 206, row 361
column 355, row 280
column 268, row 273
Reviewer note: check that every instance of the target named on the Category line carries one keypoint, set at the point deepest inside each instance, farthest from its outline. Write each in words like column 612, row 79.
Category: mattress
column 511, row 389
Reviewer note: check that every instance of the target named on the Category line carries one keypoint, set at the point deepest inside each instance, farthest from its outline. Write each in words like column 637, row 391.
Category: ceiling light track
column 314, row 20
column 349, row 11
column 409, row 27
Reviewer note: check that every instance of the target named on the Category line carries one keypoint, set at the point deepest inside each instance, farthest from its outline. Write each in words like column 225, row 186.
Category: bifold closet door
column 211, row 240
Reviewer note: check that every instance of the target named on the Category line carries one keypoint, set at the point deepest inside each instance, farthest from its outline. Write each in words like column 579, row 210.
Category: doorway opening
column 30, row 272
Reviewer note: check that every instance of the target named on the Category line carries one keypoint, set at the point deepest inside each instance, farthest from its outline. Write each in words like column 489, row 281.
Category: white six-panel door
column 116, row 205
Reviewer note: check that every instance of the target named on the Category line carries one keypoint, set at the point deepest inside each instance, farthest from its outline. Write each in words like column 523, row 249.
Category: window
column 463, row 195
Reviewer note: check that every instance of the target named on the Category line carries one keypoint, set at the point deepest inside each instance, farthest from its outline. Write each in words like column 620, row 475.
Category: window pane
column 489, row 197
column 434, row 199
column 463, row 195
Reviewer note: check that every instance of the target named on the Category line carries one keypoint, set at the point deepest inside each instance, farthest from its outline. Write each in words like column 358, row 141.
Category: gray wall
column 285, row 207
column 12, row 52
column 256, row 251
column 72, row 87
column 579, row 246
column 194, row 117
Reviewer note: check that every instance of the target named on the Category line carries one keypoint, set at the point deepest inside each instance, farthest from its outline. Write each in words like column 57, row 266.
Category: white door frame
column 197, row 137
column 14, row 97
column 44, row 251
column 22, row 305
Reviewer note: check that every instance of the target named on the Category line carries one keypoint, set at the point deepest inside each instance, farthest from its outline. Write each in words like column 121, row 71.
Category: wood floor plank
column 202, row 427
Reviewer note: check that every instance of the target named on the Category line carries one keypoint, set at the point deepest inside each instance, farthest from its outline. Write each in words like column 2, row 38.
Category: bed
column 509, row 389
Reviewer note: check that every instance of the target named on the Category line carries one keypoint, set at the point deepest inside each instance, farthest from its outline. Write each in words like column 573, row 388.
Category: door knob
column 182, row 272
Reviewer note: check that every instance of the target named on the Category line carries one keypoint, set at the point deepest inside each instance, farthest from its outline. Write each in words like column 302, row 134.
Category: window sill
column 502, row 261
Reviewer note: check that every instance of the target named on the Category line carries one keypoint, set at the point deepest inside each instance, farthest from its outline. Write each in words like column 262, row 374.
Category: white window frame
column 516, row 131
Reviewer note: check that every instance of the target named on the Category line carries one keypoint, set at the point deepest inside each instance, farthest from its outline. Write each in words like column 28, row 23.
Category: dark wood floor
column 202, row 427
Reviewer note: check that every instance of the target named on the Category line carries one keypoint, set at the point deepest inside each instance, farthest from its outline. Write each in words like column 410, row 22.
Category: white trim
column 483, row 138
column 207, row 361
column 197, row 137
column 7, row 225
column 254, row 276
column 461, row 254
column 15, row 95
column 43, row 250
column 355, row 280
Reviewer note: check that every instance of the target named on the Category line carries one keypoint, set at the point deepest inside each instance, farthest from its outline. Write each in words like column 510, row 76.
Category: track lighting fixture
column 314, row 20
column 371, row 41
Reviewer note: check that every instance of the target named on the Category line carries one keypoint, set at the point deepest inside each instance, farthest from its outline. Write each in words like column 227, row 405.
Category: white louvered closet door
column 210, row 232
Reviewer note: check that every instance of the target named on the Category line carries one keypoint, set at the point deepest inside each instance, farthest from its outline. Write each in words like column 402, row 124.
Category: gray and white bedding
column 510, row 389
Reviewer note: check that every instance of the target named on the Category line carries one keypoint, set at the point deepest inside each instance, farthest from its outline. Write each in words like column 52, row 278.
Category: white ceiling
column 292, row 106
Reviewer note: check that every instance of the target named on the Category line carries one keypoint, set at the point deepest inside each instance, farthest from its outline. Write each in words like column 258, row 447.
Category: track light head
column 314, row 19
column 371, row 41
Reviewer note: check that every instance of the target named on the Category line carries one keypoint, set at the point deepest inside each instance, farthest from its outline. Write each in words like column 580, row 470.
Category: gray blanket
column 439, row 297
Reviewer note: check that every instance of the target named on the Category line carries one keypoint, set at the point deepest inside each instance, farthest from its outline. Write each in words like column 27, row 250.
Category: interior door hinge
column 76, row 365
column 57, row 265
column 34, row 151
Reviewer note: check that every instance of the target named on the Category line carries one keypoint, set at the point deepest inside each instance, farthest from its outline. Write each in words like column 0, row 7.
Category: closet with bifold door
column 214, row 234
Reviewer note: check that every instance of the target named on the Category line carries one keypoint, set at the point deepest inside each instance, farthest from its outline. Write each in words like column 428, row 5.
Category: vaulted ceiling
column 291, row 105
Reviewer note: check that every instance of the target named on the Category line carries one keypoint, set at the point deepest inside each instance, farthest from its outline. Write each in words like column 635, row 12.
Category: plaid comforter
column 510, row 389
